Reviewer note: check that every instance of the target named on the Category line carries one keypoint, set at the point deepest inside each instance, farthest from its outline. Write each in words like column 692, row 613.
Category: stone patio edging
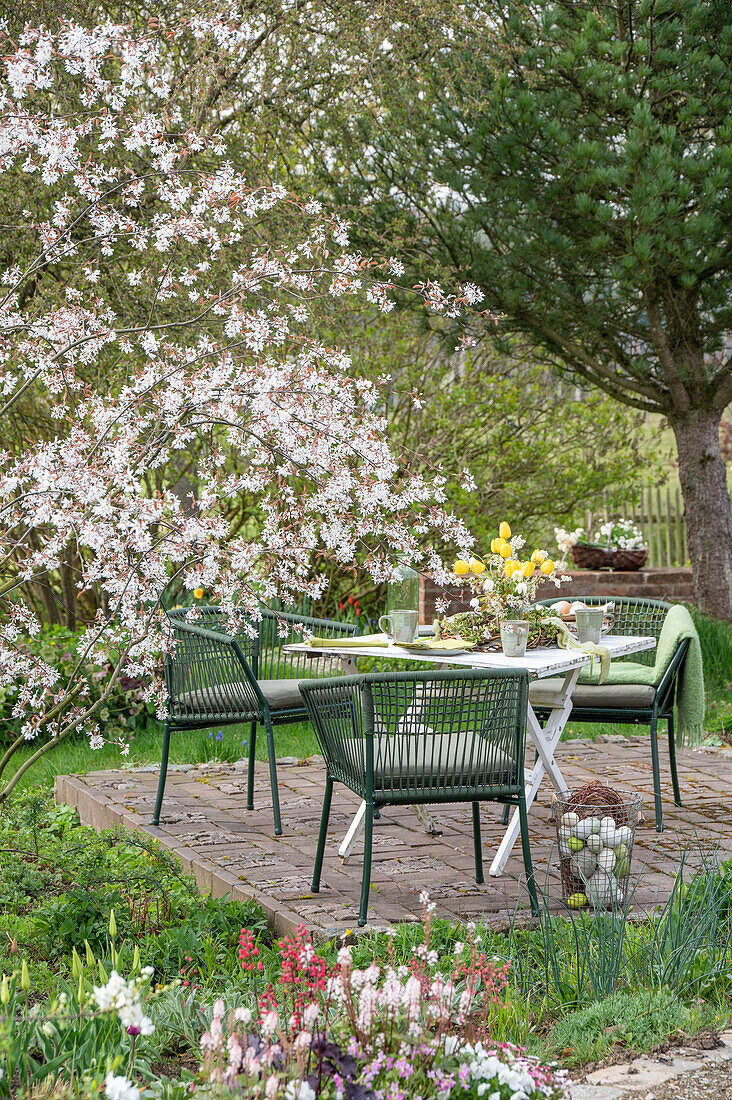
column 101, row 812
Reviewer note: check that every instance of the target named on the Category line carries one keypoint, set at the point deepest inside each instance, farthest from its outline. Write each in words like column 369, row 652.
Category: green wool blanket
column 677, row 625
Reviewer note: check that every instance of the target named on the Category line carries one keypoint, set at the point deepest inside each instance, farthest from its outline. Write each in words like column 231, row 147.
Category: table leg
column 353, row 831
column 427, row 820
column 545, row 740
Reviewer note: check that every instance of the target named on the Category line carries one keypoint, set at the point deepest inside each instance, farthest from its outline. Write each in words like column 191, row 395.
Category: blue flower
column 219, row 735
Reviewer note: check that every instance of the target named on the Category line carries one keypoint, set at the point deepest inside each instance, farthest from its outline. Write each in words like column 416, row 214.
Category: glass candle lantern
column 403, row 589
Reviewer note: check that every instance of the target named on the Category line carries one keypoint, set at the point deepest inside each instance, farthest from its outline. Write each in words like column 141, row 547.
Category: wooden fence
column 659, row 513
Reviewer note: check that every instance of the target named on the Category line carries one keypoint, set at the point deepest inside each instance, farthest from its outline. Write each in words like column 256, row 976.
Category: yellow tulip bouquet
column 504, row 586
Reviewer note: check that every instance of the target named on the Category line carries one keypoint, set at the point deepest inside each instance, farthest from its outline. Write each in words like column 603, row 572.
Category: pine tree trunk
column 707, row 509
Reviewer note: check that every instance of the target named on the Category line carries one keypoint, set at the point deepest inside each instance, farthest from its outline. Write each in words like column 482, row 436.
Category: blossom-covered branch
column 162, row 308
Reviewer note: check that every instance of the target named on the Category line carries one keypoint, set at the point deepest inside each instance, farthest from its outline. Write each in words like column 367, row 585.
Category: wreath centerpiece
column 504, row 586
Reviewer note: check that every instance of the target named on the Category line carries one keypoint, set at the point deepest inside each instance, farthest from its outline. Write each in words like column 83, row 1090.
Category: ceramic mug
column 514, row 636
column 589, row 623
column 400, row 626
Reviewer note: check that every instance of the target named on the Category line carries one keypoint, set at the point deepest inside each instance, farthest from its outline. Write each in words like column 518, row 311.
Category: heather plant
column 391, row 1031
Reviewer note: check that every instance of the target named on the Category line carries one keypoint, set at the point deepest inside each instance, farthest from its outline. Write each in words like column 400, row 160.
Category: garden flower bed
column 198, row 997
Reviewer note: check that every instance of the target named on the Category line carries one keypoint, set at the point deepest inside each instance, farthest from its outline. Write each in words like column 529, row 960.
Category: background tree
column 537, row 446
column 574, row 160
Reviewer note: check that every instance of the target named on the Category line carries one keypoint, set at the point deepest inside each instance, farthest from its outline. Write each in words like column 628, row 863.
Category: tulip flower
column 477, row 566
column 504, row 531
column 461, row 567
column 547, row 567
column 528, row 568
column 505, row 550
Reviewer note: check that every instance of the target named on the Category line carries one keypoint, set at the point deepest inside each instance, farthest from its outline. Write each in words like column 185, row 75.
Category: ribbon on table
column 566, row 640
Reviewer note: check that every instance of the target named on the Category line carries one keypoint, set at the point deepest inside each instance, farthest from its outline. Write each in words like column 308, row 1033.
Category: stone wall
column 661, row 584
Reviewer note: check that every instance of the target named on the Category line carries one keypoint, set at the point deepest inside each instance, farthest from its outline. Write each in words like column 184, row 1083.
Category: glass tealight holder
column 514, row 636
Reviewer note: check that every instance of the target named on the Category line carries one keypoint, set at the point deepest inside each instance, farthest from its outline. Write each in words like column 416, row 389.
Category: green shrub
column 124, row 711
column 634, row 1021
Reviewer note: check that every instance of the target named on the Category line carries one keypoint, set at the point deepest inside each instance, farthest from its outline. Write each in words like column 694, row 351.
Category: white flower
column 270, row 1023
column 299, row 1090
column 119, row 1088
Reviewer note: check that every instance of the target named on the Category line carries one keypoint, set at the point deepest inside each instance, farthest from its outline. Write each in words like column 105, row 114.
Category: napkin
column 380, row 641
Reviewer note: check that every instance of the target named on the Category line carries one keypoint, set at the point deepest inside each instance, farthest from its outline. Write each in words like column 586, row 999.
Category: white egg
column 583, row 864
column 594, row 843
column 607, row 831
column 569, row 820
column 624, row 835
column 577, row 606
column 600, row 890
column 584, row 828
column 606, row 859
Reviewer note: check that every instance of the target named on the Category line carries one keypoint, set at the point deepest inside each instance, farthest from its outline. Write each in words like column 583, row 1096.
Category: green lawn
column 231, row 743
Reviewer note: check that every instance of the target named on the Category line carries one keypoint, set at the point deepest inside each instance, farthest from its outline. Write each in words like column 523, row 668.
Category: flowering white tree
column 160, row 305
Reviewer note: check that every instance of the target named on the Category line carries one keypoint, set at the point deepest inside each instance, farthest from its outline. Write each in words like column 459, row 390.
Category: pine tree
column 574, row 160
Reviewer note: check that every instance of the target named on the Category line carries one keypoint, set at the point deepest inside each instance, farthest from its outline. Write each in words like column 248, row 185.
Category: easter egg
column 584, row 828
column 599, row 889
column 583, row 865
column 577, row 901
column 607, row 832
column 624, row 835
column 594, row 843
column 569, row 820
column 577, row 606
column 621, row 851
column 606, row 859
column 575, row 844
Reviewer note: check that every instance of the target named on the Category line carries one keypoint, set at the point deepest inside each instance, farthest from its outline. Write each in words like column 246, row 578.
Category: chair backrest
column 634, row 616
column 450, row 735
column 280, row 628
column 208, row 672
column 274, row 630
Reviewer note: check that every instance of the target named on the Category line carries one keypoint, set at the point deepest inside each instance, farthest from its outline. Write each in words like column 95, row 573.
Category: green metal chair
column 411, row 738
column 629, row 704
column 217, row 678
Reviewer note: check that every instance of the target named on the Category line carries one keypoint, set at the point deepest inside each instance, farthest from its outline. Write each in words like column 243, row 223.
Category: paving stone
column 228, row 847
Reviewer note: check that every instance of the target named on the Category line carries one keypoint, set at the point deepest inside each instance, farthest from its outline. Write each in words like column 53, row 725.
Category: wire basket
column 595, row 835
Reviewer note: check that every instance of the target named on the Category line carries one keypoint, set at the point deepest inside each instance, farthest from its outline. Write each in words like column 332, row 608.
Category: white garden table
column 540, row 664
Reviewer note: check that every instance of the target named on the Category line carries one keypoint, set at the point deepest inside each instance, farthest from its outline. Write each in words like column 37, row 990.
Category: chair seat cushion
column 438, row 760
column 543, row 692
column 214, row 700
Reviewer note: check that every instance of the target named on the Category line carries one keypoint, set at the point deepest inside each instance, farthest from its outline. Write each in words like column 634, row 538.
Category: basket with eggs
column 595, row 834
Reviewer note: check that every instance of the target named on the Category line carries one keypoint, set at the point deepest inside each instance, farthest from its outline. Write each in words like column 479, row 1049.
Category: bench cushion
column 432, row 758
column 639, row 696
column 280, row 695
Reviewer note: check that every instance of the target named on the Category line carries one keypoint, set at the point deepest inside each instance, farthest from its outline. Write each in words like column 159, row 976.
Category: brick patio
column 232, row 850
